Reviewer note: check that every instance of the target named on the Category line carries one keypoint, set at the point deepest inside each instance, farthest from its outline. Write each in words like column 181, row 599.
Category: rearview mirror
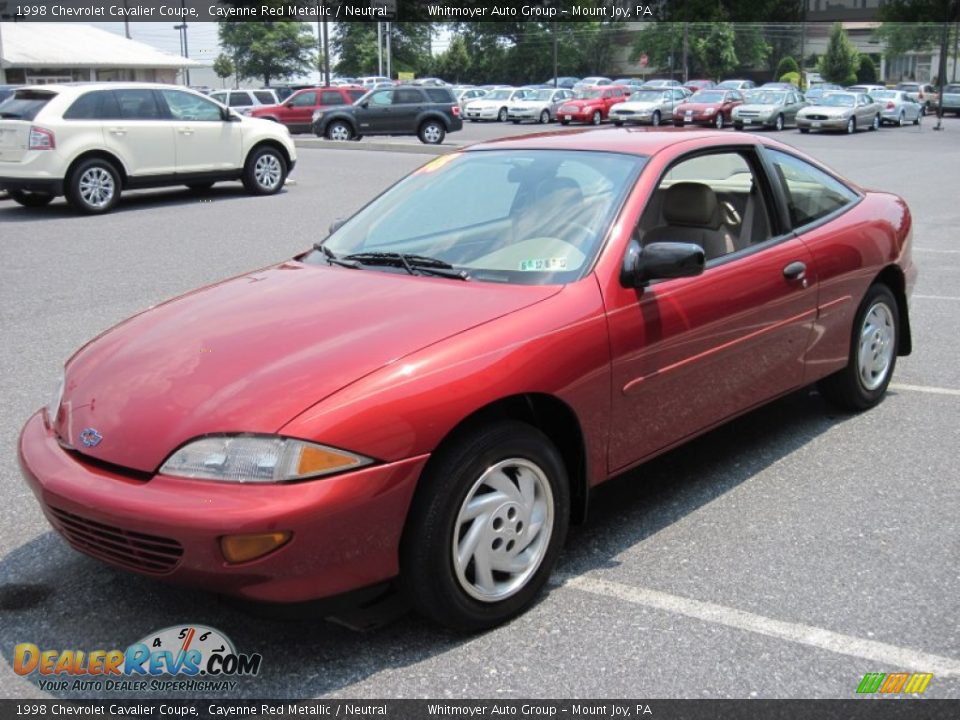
column 660, row 261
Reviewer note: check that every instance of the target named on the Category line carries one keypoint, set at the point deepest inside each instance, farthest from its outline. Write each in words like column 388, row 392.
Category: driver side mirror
column 227, row 115
column 365, row 104
column 660, row 261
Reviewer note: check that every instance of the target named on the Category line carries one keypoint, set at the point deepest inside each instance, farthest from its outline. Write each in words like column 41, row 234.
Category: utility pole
column 389, row 58
column 555, row 71
column 326, row 55
column 942, row 72
column 686, row 50
column 379, row 48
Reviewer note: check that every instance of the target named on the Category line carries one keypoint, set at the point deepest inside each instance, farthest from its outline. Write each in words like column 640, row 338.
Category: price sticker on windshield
column 544, row 264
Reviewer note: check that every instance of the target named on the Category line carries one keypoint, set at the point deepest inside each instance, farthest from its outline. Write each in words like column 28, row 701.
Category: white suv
column 90, row 141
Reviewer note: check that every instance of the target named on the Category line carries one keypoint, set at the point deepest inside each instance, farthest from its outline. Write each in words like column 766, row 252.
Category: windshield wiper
column 332, row 258
column 413, row 264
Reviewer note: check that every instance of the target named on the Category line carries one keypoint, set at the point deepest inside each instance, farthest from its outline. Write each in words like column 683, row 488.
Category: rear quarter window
column 811, row 193
column 439, row 95
column 25, row 104
column 96, row 105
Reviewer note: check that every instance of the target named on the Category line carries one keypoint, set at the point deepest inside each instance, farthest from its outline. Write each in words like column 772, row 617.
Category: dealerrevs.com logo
column 203, row 655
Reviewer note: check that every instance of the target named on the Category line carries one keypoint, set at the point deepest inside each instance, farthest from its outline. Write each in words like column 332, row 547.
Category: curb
column 418, row 149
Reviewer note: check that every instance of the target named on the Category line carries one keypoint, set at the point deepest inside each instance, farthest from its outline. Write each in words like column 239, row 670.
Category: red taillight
column 456, row 110
column 41, row 139
column 890, row 105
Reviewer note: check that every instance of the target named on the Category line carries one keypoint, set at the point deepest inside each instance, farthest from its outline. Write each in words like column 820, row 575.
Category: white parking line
column 924, row 389
column 934, row 250
column 934, row 297
column 884, row 655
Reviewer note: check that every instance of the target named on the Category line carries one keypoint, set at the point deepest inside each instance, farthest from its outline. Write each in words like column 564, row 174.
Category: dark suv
column 427, row 112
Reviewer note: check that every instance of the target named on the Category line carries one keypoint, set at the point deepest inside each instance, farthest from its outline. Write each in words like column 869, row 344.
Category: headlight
column 708, row 111
column 258, row 459
column 53, row 407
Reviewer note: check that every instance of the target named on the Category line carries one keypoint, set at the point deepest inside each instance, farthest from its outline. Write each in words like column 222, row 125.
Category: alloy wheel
column 267, row 171
column 97, row 187
column 876, row 349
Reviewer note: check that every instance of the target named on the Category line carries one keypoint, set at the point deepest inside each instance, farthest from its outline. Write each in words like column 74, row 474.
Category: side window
column 138, row 105
column 187, row 106
column 219, row 97
column 265, row 97
column 96, row 105
column 381, row 98
column 356, row 94
column 331, row 97
column 307, row 99
column 811, row 193
column 711, row 200
column 439, row 95
column 407, row 96
column 240, row 99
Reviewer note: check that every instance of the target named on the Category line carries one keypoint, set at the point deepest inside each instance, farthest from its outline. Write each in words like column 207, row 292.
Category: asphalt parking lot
column 783, row 555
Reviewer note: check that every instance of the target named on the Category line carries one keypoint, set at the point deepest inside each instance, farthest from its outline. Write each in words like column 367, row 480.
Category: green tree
column 867, row 72
column 269, row 50
column 453, row 64
column 840, row 62
column 355, row 44
column 786, row 65
column 223, row 68
column 715, row 51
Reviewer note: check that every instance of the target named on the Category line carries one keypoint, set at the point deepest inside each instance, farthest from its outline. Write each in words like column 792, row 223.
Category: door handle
column 795, row 270
column 118, row 131
column 185, row 131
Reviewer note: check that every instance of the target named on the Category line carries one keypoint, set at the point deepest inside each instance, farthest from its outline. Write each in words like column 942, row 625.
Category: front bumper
column 698, row 119
column 755, row 121
column 578, row 116
column 485, row 114
column 346, row 529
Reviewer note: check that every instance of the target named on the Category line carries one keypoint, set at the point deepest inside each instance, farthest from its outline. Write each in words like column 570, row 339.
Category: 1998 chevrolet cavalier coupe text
column 428, row 396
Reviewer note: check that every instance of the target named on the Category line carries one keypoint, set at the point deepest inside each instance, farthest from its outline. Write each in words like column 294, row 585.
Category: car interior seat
column 692, row 213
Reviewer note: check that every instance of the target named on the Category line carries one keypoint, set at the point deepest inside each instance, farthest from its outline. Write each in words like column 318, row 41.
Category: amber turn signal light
column 243, row 548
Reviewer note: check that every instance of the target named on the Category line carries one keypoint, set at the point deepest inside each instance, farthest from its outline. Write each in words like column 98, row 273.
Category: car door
column 297, row 111
column 406, row 107
column 205, row 142
column 138, row 131
column 689, row 352
column 374, row 114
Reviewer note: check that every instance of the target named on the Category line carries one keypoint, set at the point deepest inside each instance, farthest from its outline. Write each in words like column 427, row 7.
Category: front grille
column 129, row 549
column 817, row 117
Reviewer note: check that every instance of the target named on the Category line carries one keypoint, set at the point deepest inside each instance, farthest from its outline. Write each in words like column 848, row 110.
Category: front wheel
column 719, row 121
column 873, row 353
column 656, row 118
column 265, row 171
column 544, row 117
column 432, row 133
column 486, row 526
column 902, row 119
column 339, row 131
column 778, row 125
column 875, row 125
column 30, row 199
column 851, row 126
column 502, row 115
column 597, row 118
column 94, row 187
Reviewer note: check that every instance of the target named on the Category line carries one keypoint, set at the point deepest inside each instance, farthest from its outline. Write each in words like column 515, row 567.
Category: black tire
column 656, row 118
column 902, row 120
column 431, row 132
column 30, row 199
column 738, row 126
column 200, row 186
column 851, row 126
column 544, row 117
column 875, row 125
column 265, row 171
column 502, row 115
column 564, row 122
column 597, row 117
column 846, row 389
column 77, row 186
column 779, row 123
column 804, row 130
column 339, row 130
column 515, row 122
column 618, row 123
column 428, row 569
column 719, row 122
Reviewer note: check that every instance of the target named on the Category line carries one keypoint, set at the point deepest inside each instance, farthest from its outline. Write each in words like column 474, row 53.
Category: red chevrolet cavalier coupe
column 428, row 396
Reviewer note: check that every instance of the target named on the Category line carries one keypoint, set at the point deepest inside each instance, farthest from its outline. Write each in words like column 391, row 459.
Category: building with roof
column 41, row 52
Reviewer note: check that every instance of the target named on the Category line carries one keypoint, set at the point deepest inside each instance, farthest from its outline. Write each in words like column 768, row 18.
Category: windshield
column 541, row 95
column 529, row 217
column 885, row 94
column 498, row 95
column 646, row 96
column 707, row 96
column 837, row 100
column 587, row 94
column 767, row 98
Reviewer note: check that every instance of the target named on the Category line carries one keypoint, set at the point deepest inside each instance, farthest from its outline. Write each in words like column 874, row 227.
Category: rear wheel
column 431, row 132
column 486, row 526
column 94, row 186
column 778, row 125
column 265, row 171
column 902, row 119
column 851, row 126
column 502, row 115
column 719, row 121
column 656, row 118
column 873, row 353
column 597, row 118
column 30, row 199
column 544, row 117
column 875, row 125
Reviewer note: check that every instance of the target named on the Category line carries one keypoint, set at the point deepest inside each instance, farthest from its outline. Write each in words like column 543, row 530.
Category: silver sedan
column 844, row 111
column 647, row 106
column 899, row 107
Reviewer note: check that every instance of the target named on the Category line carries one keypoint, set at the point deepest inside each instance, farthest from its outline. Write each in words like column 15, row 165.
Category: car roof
column 631, row 141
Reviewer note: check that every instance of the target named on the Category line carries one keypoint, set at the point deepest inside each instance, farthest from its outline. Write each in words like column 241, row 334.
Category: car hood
column 251, row 353
column 529, row 103
column 488, row 104
column 696, row 107
column 581, row 103
column 634, row 105
column 829, row 111
column 759, row 108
